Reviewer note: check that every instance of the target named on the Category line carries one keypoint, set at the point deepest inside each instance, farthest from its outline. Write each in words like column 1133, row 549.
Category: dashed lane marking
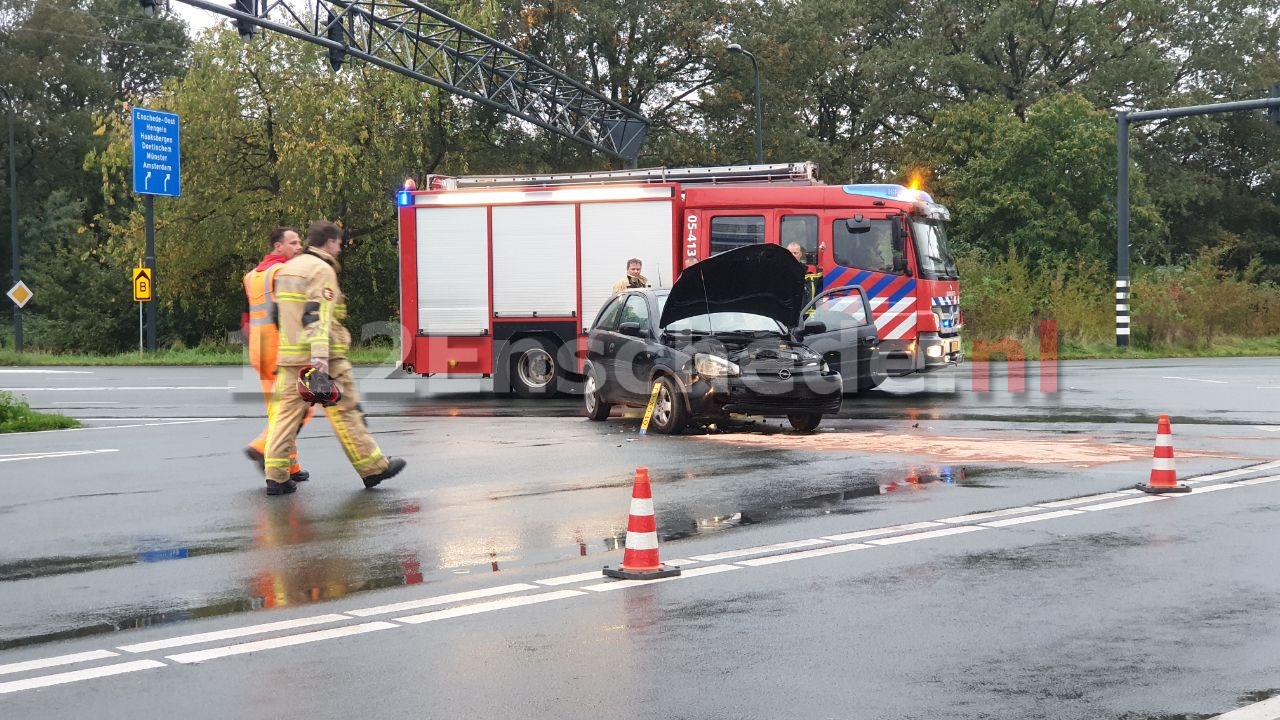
column 273, row 643
column 55, row 661
column 624, row 584
column 1125, row 503
column 490, row 606
column 49, row 455
column 1088, row 499
column 78, row 675
column 976, row 517
column 759, row 550
column 441, row 600
column 803, row 554
column 1031, row 518
column 130, row 425
column 1268, row 709
column 881, row 531
column 926, row 535
column 233, row 633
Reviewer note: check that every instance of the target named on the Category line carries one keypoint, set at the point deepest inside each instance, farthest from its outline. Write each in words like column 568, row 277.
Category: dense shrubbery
column 1187, row 307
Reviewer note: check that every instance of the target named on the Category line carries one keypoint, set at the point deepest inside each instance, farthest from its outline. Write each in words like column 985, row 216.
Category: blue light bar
column 404, row 198
column 888, row 192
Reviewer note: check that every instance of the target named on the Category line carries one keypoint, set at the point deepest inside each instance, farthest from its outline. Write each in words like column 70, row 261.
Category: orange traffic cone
column 1164, row 479
column 640, row 557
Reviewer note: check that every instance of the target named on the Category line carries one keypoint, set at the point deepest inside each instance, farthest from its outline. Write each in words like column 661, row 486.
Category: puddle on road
column 991, row 447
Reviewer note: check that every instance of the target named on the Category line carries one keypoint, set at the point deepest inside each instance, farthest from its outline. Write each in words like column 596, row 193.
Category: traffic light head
column 244, row 27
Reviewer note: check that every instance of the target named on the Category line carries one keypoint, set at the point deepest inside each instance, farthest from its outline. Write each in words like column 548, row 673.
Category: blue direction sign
column 157, row 163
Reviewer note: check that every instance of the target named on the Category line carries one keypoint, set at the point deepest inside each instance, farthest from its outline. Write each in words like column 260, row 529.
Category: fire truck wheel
column 597, row 408
column 804, row 422
column 669, row 414
column 534, row 371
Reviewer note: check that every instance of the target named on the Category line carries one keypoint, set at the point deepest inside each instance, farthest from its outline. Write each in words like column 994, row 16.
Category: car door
column 636, row 348
column 602, row 344
column 847, row 340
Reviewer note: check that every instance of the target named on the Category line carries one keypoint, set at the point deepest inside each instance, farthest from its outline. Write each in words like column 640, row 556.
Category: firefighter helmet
column 315, row 386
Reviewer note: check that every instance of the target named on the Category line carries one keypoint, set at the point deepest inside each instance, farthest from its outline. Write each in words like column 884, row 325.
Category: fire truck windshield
column 931, row 250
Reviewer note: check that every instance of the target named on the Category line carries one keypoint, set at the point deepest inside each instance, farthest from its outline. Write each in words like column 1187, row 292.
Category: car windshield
column 727, row 323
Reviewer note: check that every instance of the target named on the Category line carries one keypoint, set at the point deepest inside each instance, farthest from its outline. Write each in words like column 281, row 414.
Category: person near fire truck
column 262, row 337
column 812, row 277
column 311, row 309
column 633, row 278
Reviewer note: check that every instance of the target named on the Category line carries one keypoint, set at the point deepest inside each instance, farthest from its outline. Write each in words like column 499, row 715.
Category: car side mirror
column 813, row 327
column 630, row 328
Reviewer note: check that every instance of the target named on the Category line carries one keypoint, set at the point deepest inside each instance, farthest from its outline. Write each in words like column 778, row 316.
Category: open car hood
column 762, row 279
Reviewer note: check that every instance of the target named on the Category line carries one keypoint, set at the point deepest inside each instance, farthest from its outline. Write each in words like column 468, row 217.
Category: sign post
column 157, row 170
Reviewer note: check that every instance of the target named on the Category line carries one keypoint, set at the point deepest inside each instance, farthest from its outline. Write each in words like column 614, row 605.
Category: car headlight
column 713, row 366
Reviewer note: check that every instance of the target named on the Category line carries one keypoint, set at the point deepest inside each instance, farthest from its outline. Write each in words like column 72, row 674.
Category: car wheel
column 669, row 414
column 534, row 370
column 597, row 408
column 804, row 422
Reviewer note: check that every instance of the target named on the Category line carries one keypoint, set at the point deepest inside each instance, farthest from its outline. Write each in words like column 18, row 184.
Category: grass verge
column 17, row 416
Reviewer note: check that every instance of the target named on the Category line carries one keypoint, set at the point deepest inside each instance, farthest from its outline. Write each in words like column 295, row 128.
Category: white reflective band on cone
column 642, row 541
column 642, row 507
column 1162, row 464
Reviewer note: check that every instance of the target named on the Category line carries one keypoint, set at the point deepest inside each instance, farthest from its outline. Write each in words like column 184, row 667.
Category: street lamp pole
column 737, row 49
column 13, row 221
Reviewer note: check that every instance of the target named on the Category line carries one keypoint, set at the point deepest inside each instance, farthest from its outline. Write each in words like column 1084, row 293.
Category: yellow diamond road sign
column 20, row 294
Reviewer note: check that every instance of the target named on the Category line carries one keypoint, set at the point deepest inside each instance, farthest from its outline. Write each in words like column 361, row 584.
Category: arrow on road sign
column 146, row 182
column 142, row 285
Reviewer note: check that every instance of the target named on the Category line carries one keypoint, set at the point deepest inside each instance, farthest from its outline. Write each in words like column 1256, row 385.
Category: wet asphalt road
column 161, row 525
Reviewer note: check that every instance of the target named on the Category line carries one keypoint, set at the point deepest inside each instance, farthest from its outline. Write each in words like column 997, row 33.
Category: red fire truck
column 500, row 276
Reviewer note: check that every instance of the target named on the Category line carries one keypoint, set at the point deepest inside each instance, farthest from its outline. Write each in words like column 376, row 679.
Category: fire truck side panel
column 614, row 232
column 452, row 262
column 535, row 261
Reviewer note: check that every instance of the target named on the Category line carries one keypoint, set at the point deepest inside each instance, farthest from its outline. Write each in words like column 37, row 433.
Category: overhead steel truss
column 410, row 38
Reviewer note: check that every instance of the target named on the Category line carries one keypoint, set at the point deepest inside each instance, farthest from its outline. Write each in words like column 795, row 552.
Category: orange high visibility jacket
column 311, row 309
column 261, row 331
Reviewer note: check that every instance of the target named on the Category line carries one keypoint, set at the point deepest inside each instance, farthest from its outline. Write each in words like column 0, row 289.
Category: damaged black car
column 725, row 338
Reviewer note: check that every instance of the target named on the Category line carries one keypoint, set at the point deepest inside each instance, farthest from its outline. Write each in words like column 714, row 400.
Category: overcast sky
column 196, row 18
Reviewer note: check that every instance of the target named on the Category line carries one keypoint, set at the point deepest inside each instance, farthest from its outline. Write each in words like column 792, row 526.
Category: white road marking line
column 441, row 600
column 1259, row 481
column 759, row 550
column 1268, row 709
column 132, row 425
column 232, row 633
column 87, row 402
column 887, row 530
column 78, row 675
column 881, row 531
column 1125, row 503
column 487, row 606
column 50, row 455
column 1175, row 377
column 32, row 371
column 1205, row 489
column 624, row 584
column 971, row 517
column 1031, row 518
column 926, row 535
column 55, row 661
column 803, row 554
column 1236, row 472
column 273, row 643
column 1084, row 500
column 120, row 388
column 567, row 579
column 680, row 562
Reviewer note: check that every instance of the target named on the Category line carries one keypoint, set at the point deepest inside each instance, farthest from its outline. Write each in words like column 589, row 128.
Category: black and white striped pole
column 1122, row 236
